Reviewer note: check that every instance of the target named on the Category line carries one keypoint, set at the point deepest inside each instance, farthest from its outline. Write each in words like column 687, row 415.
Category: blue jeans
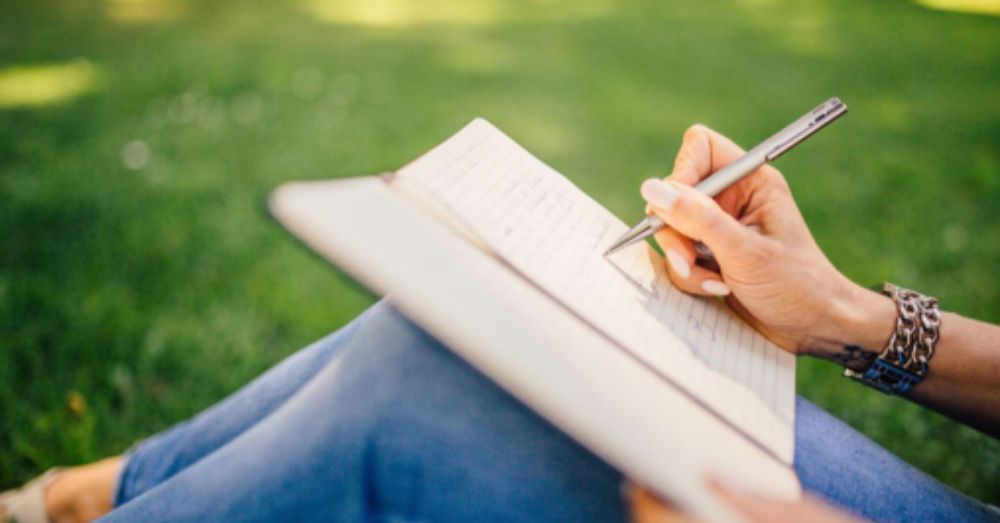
column 380, row 422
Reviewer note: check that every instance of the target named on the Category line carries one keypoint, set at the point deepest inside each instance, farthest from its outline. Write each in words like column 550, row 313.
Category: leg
column 408, row 430
column 395, row 427
column 847, row 469
column 156, row 459
column 85, row 492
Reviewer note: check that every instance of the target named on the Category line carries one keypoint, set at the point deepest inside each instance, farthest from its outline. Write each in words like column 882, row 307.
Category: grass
column 141, row 279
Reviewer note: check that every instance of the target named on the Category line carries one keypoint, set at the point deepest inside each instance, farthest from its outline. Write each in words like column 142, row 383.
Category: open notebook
column 500, row 257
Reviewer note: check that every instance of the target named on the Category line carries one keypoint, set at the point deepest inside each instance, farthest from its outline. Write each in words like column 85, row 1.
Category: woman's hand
column 646, row 508
column 772, row 271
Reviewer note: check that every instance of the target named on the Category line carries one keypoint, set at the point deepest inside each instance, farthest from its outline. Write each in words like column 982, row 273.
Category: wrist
column 861, row 322
column 868, row 319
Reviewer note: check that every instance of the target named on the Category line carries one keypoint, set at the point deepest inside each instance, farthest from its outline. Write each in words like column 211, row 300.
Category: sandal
column 27, row 504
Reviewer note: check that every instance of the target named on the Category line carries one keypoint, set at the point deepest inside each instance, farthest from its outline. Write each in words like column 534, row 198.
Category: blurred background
column 141, row 278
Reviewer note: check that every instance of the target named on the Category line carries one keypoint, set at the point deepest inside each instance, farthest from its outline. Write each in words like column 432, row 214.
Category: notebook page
column 554, row 234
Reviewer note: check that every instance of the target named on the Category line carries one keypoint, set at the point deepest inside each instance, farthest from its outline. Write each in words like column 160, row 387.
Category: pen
column 767, row 151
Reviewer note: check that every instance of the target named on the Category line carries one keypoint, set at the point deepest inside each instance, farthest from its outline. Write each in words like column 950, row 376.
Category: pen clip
column 808, row 125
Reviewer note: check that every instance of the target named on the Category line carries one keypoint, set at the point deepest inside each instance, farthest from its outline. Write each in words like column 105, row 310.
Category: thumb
column 695, row 215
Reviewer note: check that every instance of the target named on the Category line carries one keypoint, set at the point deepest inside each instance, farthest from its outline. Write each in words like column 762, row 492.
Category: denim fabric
column 380, row 422
column 188, row 442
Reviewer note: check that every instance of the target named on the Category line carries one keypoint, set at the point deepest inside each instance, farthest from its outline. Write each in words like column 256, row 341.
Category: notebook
column 501, row 257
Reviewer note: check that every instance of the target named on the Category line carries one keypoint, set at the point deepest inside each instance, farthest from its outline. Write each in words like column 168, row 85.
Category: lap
column 394, row 427
column 478, row 425
column 397, row 427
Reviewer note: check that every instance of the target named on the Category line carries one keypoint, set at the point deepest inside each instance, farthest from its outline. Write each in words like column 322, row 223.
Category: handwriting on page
column 554, row 234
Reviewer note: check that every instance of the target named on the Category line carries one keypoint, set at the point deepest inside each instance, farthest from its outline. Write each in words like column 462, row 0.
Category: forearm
column 964, row 377
column 963, row 380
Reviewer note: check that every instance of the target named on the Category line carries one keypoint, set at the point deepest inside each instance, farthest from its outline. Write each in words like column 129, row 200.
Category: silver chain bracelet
column 904, row 361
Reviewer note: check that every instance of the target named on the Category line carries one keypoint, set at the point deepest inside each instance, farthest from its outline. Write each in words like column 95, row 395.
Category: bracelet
column 904, row 361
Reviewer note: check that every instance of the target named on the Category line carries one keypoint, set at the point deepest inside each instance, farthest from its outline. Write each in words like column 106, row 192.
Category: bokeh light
column 40, row 85
column 983, row 7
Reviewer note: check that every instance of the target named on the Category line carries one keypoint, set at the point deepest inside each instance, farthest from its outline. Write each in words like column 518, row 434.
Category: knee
column 436, row 421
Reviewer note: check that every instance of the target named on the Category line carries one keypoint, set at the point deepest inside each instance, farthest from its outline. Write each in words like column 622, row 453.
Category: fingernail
column 715, row 287
column 658, row 192
column 679, row 264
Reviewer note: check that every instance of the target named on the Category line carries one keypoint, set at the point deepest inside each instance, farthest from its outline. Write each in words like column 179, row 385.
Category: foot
column 83, row 494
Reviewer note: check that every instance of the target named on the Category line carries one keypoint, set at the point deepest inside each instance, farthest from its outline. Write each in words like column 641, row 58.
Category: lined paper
column 551, row 232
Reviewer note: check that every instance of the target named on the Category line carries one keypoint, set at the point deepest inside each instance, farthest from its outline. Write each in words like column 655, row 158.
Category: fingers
column 685, row 274
column 696, row 216
column 752, row 508
column 755, row 508
column 646, row 508
column 703, row 151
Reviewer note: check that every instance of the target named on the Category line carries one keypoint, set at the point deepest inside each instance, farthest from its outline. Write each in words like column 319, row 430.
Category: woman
column 379, row 421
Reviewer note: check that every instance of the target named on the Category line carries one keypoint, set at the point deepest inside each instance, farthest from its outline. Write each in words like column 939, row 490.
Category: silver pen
column 767, row 151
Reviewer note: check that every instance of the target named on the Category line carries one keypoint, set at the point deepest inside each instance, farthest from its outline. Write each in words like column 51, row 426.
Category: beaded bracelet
column 904, row 362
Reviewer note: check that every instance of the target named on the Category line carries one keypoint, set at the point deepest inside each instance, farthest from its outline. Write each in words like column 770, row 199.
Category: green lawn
column 141, row 278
